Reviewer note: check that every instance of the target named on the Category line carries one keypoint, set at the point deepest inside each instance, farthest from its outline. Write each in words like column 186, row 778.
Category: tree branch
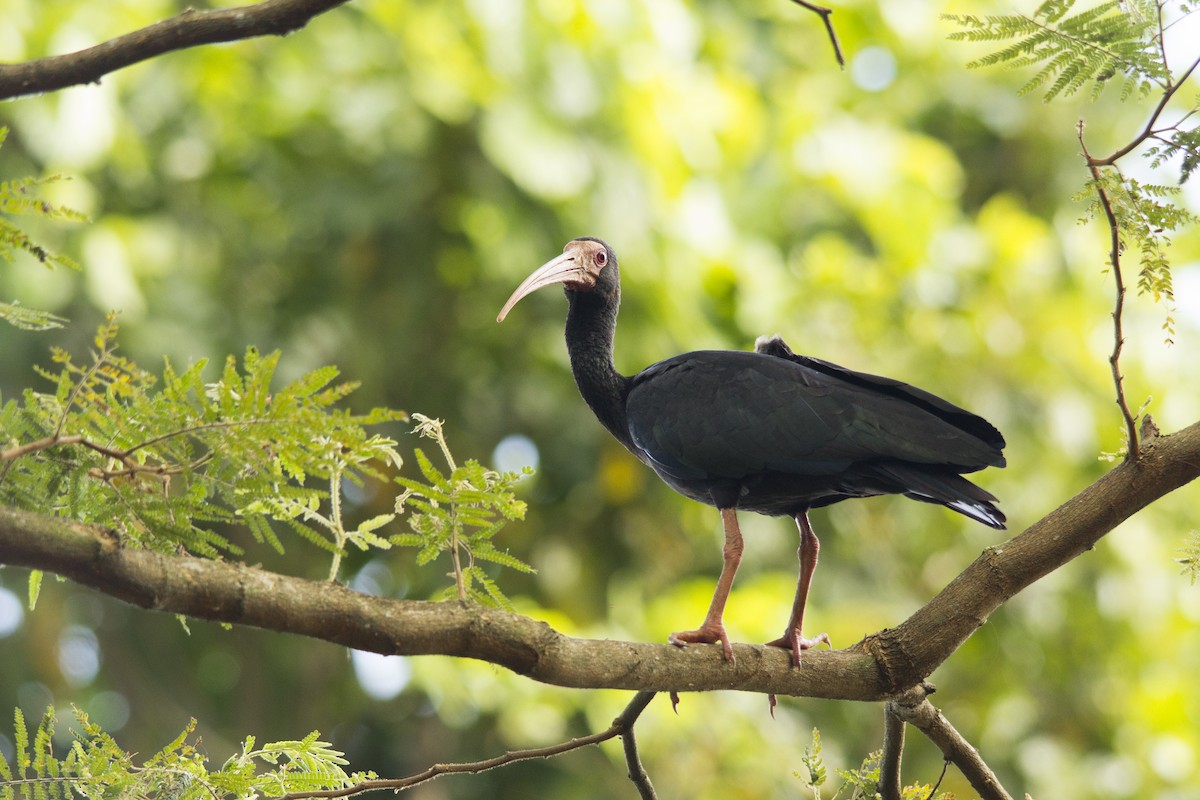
column 187, row 29
column 1118, row 312
column 914, row 708
column 890, row 785
column 826, row 15
column 621, row 726
column 637, row 773
column 1148, row 131
column 877, row 668
column 912, row 650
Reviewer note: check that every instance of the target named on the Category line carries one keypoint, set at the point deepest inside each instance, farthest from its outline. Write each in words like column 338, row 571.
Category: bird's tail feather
column 949, row 489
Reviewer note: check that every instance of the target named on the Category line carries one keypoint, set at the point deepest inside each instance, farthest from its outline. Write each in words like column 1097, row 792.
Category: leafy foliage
column 29, row 319
column 1178, row 142
column 1093, row 45
column 19, row 198
column 1126, row 37
column 166, row 461
column 861, row 783
column 460, row 513
column 1146, row 215
column 96, row 766
column 1191, row 557
column 815, row 764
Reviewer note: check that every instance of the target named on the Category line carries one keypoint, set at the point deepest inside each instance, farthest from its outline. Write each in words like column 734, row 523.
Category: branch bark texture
column 914, row 707
column 187, row 29
column 877, row 668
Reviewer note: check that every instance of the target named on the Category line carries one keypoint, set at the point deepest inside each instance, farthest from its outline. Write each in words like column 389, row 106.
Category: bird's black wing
column 729, row 415
column 971, row 423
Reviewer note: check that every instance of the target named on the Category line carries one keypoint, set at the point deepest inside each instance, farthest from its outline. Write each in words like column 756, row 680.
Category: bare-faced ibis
column 769, row 431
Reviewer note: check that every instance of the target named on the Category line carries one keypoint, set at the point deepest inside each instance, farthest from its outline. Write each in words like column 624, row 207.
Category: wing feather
column 728, row 414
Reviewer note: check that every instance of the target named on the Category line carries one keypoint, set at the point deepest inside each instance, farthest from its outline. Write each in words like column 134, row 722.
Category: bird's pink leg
column 713, row 628
column 810, row 546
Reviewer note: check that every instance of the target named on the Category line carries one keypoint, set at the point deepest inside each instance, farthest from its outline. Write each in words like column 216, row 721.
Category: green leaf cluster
column 1191, row 557
column 1095, row 45
column 1092, row 46
column 861, row 783
column 815, row 764
column 1180, row 142
column 96, row 766
column 460, row 512
column 167, row 460
column 1146, row 215
column 18, row 197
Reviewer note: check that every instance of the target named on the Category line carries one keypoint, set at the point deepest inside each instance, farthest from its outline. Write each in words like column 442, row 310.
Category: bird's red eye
column 601, row 258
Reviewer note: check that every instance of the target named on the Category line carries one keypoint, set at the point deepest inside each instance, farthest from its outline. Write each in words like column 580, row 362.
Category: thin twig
column 942, row 777
column 621, row 726
column 1114, row 359
column 893, row 750
column 826, row 15
column 13, row 453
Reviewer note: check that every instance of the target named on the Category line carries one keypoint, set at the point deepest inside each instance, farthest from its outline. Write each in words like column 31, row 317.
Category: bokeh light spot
column 515, row 452
column 381, row 677
column 11, row 613
column 873, row 69
column 78, row 655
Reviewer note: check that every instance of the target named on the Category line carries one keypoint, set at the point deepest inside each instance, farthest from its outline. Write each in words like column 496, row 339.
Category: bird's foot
column 708, row 633
column 792, row 640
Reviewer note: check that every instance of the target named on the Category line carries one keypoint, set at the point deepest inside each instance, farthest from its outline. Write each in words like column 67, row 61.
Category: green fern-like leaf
column 29, row 319
column 1190, row 558
column 864, row 779
column 1181, row 143
column 96, row 766
column 21, row 198
column 459, row 513
column 169, row 459
column 1091, row 46
column 1146, row 217
column 814, row 765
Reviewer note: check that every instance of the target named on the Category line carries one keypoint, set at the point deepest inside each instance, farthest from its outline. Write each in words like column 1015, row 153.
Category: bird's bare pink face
column 577, row 268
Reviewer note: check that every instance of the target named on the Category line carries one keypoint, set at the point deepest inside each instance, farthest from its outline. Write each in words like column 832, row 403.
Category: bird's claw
column 705, row 634
column 792, row 640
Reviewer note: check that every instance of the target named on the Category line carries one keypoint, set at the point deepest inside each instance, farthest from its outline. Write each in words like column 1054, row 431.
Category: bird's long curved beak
column 564, row 269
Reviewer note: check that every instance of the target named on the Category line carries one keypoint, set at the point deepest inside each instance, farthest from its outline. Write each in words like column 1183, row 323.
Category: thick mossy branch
column 877, row 668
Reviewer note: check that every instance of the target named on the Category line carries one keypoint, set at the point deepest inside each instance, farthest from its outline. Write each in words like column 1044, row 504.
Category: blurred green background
column 368, row 191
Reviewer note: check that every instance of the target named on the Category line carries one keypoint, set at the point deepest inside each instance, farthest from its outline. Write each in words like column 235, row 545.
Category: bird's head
column 586, row 265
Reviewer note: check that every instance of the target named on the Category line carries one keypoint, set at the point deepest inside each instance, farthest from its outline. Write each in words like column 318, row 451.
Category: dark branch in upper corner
column 189, row 28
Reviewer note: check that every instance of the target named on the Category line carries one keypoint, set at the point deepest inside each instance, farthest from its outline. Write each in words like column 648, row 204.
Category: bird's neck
column 591, row 328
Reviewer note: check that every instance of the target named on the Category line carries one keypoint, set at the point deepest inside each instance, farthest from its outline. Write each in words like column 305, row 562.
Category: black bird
column 768, row 431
